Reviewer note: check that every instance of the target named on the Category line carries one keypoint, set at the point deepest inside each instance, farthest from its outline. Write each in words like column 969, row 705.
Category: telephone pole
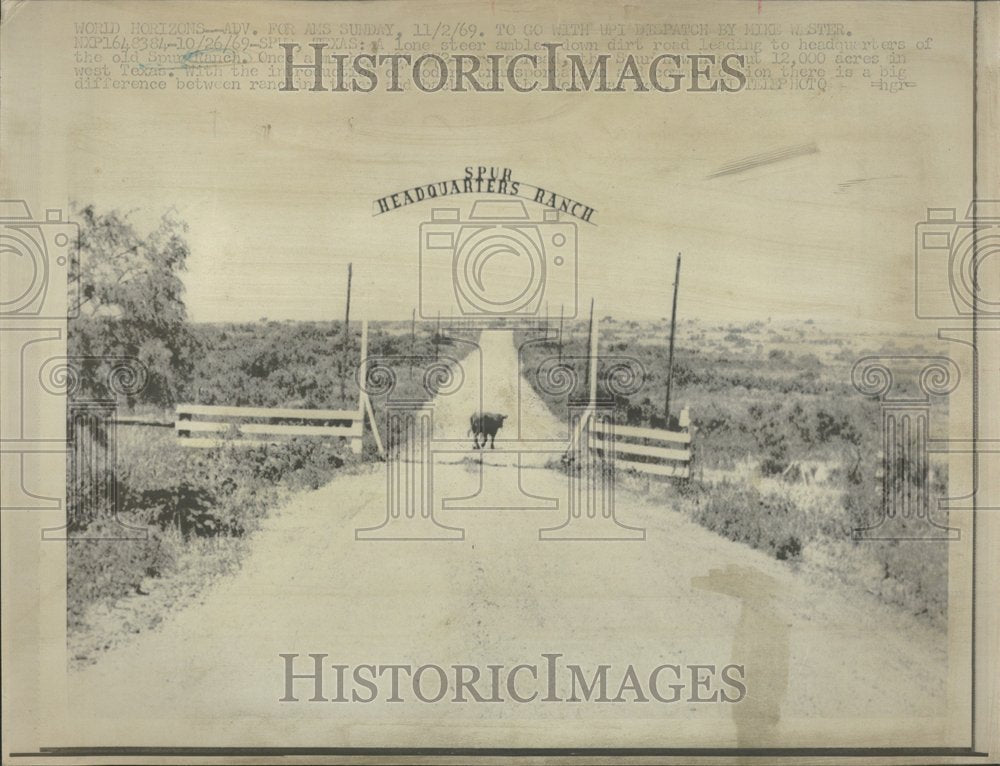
column 560, row 332
column 413, row 339
column 590, row 343
column 344, row 364
column 437, row 337
column 673, row 324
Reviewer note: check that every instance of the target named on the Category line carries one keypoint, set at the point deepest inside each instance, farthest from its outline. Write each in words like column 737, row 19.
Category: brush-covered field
column 184, row 514
column 786, row 450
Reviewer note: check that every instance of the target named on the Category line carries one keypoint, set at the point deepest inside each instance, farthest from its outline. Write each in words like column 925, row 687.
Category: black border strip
column 778, row 752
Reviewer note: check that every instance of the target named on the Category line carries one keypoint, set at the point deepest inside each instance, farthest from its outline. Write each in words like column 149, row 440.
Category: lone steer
column 485, row 424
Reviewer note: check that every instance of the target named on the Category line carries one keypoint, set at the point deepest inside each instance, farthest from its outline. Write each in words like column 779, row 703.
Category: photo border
column 181, row 751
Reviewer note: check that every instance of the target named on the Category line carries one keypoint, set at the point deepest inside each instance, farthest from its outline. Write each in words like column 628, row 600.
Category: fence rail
column 265, row 412
column 683, row 437
column 223, row 420
column 668, row 459
column 346, row 424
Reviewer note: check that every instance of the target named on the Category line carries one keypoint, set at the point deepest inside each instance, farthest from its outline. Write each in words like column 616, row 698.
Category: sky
column 277, row 188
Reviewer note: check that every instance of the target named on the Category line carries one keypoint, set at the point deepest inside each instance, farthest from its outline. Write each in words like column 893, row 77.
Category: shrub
column 186, row 508
column 767, row 413
column 107, row 569
column 177, row 494
column 766, row 522
column 300, row 364
column 915, row 574
column 301, row 462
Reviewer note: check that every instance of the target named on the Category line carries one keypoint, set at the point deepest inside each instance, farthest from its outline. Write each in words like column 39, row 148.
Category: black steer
column 485, row 424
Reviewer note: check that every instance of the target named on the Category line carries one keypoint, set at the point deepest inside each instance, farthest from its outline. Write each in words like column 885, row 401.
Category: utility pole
column 670, row 358
column 590, row 340
column 560, row 332
column 347, row 322
column 413, row 339
column 437, row 337
column 595, row 338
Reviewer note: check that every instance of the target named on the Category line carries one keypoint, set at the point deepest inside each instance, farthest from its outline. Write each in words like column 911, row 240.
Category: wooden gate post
column 576, row 428
column 364, row 401
column 357, row 442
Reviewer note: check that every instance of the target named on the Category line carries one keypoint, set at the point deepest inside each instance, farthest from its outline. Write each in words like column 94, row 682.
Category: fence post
column 670, row 357
column 357, row 441
column 346, row 340
column 437, row 337
column 413, row 340
column 590, row 352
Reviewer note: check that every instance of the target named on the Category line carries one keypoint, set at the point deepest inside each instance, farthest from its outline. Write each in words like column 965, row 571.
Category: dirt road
column 683, row 596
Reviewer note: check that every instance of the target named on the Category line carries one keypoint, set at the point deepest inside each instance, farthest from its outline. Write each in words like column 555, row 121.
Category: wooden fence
column 201, row 425
column 648, row 450
column 661, row 452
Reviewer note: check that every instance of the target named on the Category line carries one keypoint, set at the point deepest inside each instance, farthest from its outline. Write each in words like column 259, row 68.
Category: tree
column 131, row 303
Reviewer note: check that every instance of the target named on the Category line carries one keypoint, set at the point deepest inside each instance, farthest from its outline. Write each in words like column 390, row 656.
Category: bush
column 186, row 508
column 296, row 364
column 770, row 523
column 301, row 463
column 177, row 494
column 765, row 411
column 915, row 574
column 108, row 569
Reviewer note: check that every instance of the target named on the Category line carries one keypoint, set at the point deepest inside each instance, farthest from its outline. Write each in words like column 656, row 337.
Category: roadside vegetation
column 184, row 513
column 785, row 448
